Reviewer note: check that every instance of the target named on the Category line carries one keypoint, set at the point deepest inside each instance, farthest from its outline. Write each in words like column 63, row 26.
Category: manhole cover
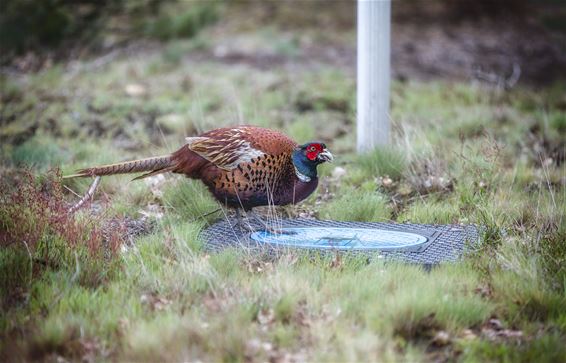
column 341, row 238
column 415, row 243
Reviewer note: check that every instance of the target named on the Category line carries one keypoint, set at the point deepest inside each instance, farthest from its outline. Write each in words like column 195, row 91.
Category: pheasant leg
column 267, row 227
column 242, row 223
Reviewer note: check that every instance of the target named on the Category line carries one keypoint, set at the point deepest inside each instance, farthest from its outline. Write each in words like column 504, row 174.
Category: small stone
column 252, row 347
column 265, row 316
column 441, row 339
column 338, row 172
column 495, row 324
column 221, row 51
column 468, row 334
column 405, row 189
column 174, row 123
column 511, row 334
column 135, row 90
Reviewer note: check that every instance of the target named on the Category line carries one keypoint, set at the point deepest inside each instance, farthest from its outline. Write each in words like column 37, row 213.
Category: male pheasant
column 243, row 166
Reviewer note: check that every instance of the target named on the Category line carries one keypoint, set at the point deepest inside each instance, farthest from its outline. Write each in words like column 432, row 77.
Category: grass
column 461, row 153
column 357, row 205
column 383, row 162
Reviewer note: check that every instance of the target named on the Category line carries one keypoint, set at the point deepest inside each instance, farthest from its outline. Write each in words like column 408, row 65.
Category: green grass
column 39, row 153
column 357, row 205
column 163, row 297
column 383, row 161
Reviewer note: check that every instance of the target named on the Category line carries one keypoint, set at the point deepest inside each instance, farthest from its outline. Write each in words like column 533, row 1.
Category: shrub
column 39, row 153
column 33, row 25
column 37, row 232
column 27, row 24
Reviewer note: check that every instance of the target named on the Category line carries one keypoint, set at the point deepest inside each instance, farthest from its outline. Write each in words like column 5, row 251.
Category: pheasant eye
column 312, row 148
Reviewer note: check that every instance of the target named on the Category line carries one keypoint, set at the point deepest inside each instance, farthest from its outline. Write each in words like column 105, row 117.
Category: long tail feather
column 152, row 166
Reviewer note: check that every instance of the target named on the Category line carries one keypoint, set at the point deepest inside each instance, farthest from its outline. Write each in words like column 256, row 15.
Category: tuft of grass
column 190, row 200
column 171, row 24
column 177, row 49
column 553, row 254
column 524, row 282
column 546, row 349
column 301, row 131
column 435, row 211
column 227, row 262
column 408, row 298
column 383, row 161
column 191, row 337
column 557, row 121
column 357, row 205
column 39, row 153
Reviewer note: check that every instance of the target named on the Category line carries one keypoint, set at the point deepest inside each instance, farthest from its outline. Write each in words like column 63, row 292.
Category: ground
column 127, row 278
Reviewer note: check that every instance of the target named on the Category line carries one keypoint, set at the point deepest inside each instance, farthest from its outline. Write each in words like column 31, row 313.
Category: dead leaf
column 495, row 324
column 336, row 261
column 484, row 291
column 468, row 334
column 154, row 301
column 386, row 181
column 338, row 172
column 123, row 326
column 213, row 303
column 494, row 330
column 252, row 348
column 266, row 316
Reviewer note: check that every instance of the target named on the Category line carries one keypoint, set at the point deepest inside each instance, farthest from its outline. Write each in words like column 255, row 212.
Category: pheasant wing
column 225, row 148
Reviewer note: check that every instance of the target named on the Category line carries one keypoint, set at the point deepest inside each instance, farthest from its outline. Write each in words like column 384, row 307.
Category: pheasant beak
column 325, row 155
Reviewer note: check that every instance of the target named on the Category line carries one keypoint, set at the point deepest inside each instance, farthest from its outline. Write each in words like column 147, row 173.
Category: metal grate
column 443, row 242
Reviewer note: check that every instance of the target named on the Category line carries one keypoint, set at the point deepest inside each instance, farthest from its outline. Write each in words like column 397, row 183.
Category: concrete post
column 373, row 73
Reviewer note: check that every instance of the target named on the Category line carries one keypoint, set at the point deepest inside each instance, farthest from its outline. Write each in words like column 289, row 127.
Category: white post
column 374, row 27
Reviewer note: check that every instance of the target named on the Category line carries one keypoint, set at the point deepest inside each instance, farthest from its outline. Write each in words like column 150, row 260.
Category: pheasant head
column 307, row 157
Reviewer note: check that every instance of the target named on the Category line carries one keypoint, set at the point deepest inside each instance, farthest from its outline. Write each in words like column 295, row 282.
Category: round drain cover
column 341, row 238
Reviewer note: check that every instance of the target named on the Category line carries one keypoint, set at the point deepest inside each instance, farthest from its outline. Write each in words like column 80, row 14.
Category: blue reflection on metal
column 341, row 238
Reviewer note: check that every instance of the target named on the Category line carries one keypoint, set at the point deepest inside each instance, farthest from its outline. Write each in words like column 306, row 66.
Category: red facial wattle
column 313, row 150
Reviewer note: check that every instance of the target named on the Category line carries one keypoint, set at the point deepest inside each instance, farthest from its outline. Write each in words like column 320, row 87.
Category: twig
column 71, row 190
column 87, row 196
column 30, row 262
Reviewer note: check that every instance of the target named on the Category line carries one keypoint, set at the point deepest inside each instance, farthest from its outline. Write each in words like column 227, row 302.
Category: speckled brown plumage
column 243, row 167
column 264, row 179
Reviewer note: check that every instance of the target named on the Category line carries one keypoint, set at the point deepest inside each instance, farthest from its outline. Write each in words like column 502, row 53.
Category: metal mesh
column 446, row 242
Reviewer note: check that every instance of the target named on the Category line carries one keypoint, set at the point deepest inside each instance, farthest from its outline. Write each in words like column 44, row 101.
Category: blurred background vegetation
column 46, row 25
column 70, row 29
column 478, row 110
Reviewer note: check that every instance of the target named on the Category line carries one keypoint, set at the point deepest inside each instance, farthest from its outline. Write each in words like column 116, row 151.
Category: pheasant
column 243, row 167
